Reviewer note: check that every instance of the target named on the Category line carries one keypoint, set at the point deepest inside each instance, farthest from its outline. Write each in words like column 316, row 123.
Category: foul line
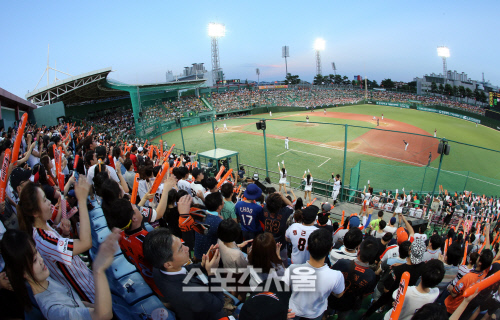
column 312, row 154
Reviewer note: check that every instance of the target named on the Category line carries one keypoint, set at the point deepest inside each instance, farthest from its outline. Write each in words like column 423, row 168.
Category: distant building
column 453, row 78
column 197, row 71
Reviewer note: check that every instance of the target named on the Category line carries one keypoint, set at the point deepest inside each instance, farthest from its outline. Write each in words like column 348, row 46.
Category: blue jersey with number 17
column 250, row 215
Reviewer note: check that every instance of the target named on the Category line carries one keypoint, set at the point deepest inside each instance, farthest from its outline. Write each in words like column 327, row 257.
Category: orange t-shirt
column 468, row 280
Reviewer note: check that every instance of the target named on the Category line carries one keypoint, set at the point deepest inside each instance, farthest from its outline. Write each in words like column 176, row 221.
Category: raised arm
column 85, row 242
column 408, row 226
column 169, row 182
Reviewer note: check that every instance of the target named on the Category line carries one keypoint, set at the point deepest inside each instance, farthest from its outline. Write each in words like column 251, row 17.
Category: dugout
column 218, row 157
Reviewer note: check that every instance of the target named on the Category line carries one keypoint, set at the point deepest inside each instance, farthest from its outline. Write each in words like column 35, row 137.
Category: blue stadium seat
column 98, row 222
column 121, row 267
column 102, row 234
column 138, row 289
column 148, row 227
column 147, row 306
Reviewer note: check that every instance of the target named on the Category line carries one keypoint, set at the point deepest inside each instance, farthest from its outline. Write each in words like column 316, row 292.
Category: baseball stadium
column 201, row 196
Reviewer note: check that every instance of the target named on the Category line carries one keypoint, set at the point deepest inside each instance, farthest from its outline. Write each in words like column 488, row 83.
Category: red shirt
column 133, row 158
column 131, row 245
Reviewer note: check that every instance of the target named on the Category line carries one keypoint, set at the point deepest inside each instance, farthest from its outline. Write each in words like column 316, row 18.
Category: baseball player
column 430, row 159
column 307, row 119
column 270, row 113
column 373, row 118
column 382, row 116
column 378, row 122
column 406, row 144
column 286, row 145
column 225, row 127
column 324, row 112
column 435, row 133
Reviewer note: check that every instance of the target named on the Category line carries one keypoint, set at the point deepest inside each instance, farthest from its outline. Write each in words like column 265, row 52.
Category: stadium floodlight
column 319, row 45
column 444, row 53
column 216, row 31
column 285, row 53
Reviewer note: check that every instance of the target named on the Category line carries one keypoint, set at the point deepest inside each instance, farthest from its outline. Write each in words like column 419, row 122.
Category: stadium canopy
column 94, row 85
column 11, row 101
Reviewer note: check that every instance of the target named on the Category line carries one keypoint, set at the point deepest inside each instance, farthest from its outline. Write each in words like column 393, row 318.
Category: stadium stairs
column 132, row 297
column 207, row 104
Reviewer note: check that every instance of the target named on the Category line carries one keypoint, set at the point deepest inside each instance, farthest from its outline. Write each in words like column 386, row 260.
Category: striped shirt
column 69, row 270
column 462, row 271
column 337, row 254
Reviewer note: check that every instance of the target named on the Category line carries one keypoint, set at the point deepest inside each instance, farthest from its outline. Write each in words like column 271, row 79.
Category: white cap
column 140, row 149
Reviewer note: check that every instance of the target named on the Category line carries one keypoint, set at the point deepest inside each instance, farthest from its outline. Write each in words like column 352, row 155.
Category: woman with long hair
column 308, row 179
column 265, row 255
column 60, row 254
column 117, row 157
column 24, row 263
column 282, row 172
column 47, row 167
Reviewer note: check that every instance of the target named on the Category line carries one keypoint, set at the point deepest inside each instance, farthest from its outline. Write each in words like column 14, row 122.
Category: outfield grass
column 304, row 156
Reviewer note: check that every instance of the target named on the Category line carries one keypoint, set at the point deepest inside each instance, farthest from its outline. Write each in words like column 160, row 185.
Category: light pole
column 257, row 71
column 216, row 31
column 444, row 53
column 319, row 45
column 285, row 53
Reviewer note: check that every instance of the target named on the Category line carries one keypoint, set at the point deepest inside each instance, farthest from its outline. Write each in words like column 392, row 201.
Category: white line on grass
column 324, row 162
column 312, row 154
column 283, row 153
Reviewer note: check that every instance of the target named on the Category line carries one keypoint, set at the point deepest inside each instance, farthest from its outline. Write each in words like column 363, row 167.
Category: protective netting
column 419, row 179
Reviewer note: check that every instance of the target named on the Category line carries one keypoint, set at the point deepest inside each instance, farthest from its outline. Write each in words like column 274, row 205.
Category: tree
column 292, row 79
column 337, row 79
column 318, row 79
column 469, row 93
column 441, row 88
column 354, row 82
column 387, row 83
column 374, row 84
column 482, row 96
column 448, row 89
column 454, row 91
column 434, row 87
column 461, row 91
column 477, row 95
column 345, row 80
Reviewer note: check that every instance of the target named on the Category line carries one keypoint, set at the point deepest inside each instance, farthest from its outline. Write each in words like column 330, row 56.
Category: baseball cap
column 393, row 220
column 326, row 207
column 309, row 214
column 252, row 192
column 140, row 149
column 100, row 152
column 417, row 251
column 18, row 176
column 265, row 306
column 195, row 172
column 401, row 235
column 354, row 222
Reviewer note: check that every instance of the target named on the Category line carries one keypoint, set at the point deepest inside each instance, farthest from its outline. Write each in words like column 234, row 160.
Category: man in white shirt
column 425, row 292
column 298, row 234
column 196, row 186
column 349, row 250
column 312, row 283
column 433, row 249
column 100, row 153
column 392, row 226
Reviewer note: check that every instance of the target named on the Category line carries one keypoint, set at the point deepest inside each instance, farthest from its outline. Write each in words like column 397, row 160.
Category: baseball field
column 318, row 145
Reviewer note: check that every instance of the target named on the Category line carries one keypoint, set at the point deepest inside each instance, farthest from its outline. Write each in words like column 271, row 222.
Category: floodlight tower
column 285, row 53
column 319, row 45
column 257, row 72
column 444, row 53
column 216, row 31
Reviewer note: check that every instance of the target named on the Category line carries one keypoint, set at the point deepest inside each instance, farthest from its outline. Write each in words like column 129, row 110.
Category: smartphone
column 76, row 175
column 211, row 254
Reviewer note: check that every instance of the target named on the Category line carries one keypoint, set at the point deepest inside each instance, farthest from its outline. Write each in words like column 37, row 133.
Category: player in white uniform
column 282, row 172
column 406, row 144
column 298, row 234
column 336, row 187
column 270, row 113
column 307, row 119
column 286, row 144
column 309, row 183
column 225, row 127
column 435, row 133
column 382, row 116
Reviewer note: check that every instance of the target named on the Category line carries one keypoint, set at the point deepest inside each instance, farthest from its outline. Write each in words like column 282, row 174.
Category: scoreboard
column 494, row 98
column 232, row 81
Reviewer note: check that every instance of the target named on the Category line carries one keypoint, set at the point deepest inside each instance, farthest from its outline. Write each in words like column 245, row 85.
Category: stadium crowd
column 218, row 247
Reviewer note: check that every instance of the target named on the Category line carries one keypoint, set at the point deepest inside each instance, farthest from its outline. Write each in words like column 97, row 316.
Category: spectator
column 349, row 250
column 230, row 252
column 249, row 213
column 203, row 242
column 169, row 257
column 129, row 174
column 374, row 224
column 338, row 236
column 277, row 210
column 312, row 304
column 379, row 232
column 324, row 222
column 199, row 191
column 433, row 249
column 228, row 211
column 55, row 300
column 359, row 278
column 265, row 256
column 391, row 227
column 425, row 292
column 298, row 234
